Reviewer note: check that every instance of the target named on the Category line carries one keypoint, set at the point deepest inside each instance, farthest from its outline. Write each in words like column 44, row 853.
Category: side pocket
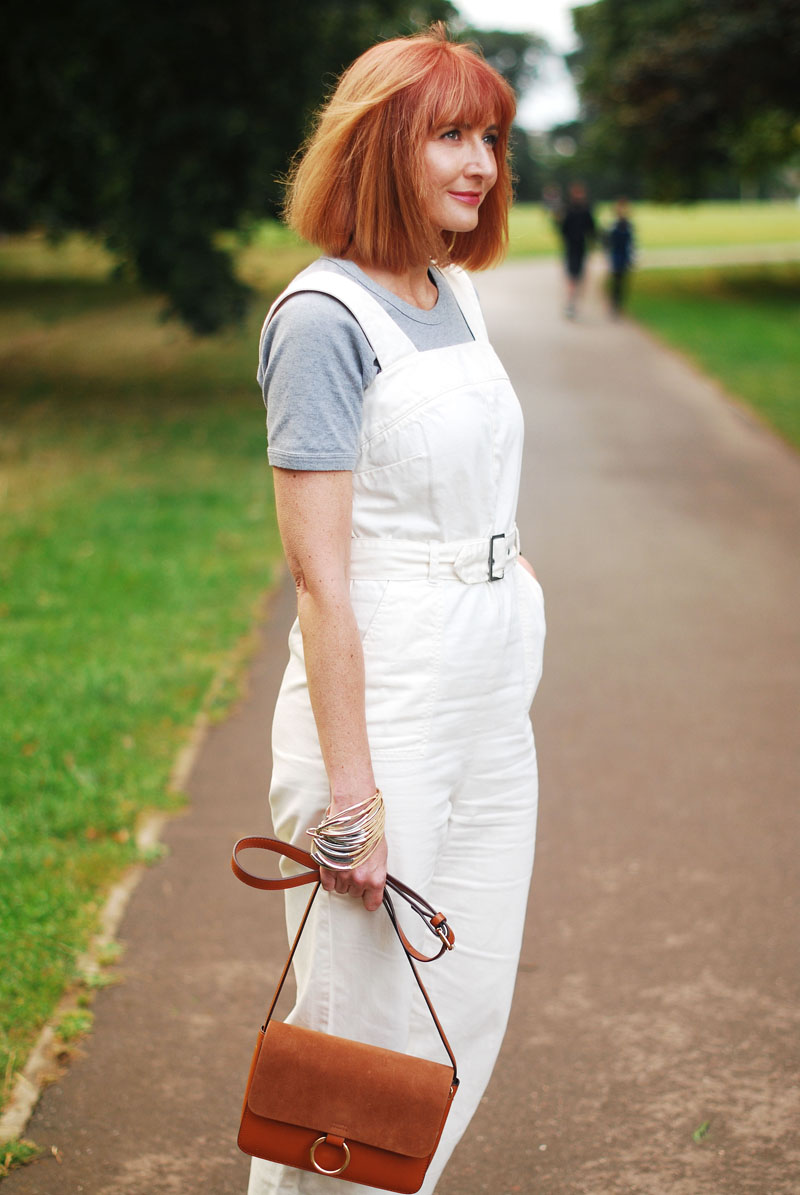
column 402, row 650
column 532, row 620
column 366, row 598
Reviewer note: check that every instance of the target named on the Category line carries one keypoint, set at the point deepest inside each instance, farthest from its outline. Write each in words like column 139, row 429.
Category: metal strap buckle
column 443, row 932
column 493, row 576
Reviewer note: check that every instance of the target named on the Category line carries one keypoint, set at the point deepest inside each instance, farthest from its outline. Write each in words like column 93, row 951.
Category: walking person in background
column 396, row 442
column 620, row 245
column 578, row 231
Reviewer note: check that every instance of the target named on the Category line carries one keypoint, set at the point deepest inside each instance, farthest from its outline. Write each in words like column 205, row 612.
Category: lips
column 471, row 198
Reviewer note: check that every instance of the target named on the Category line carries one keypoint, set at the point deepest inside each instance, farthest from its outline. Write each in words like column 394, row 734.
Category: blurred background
column 142, row 148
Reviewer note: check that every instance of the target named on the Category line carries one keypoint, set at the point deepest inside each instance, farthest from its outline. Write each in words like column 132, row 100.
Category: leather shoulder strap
column 435, row 922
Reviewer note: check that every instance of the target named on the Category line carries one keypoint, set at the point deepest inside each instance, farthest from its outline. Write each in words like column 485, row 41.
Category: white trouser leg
column 481, row 882
column 471, row 851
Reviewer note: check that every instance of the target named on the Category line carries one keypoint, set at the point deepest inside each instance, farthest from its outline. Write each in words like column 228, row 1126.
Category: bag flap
column 363, row 1093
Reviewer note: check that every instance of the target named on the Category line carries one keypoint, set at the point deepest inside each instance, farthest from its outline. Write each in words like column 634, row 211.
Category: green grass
column 136, row 535
column 17, row 1153
column 675, row 226
column 741, row 325
column 531, row 231
column 74, row 1025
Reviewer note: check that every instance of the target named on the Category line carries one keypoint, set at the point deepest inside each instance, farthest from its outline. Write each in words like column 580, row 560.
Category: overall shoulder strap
column 387, row 340
column 462, row 287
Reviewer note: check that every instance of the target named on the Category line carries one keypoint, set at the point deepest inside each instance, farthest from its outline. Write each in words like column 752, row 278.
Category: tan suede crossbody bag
column 339, row 1107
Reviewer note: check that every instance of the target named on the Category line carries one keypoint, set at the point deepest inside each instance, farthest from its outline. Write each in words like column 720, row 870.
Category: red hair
column 358, row 188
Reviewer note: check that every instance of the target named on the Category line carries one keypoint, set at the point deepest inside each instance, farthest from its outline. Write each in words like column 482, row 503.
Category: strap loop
column 435, row 922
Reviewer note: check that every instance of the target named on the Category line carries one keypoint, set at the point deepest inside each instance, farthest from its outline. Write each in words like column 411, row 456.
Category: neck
column 412, row 286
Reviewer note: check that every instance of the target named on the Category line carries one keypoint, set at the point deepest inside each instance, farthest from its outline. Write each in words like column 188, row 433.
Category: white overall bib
column 453, row 631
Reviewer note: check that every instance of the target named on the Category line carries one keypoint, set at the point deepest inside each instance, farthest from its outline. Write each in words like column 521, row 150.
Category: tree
column 517, row 56
column 156, row 124
column 682, row 89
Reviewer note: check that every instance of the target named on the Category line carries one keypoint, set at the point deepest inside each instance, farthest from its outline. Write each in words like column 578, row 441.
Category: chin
column 462, row 225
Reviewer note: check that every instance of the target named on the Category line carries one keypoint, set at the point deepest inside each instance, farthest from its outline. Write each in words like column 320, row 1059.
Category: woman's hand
column 527, row 566
column 365, row 881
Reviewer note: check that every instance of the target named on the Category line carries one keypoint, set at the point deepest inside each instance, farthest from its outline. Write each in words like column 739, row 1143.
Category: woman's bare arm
column 314, row 518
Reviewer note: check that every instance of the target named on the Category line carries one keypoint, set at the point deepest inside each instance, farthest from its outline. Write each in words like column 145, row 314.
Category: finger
column 373, row 876
column 373, row 898
column 327, row 879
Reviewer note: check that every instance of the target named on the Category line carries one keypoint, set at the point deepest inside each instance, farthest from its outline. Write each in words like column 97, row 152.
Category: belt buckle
column 493, row 576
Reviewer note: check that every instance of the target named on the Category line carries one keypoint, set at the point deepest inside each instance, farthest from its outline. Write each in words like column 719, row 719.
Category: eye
column 490, row 139
column 451, row 135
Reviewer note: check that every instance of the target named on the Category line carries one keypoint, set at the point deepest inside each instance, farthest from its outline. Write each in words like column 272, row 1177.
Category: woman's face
column 461, row 170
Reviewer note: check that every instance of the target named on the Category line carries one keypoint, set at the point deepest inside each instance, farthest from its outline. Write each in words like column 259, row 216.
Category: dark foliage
column 688, row 90
column 158, row 123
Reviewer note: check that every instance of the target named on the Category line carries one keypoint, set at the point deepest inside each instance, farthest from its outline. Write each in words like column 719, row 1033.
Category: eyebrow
column 463, row 124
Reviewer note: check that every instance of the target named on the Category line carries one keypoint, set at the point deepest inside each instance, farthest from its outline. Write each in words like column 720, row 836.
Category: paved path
column 659, row 982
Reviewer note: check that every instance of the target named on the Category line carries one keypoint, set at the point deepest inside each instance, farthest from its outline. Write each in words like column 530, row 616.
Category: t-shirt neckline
column 435, row 315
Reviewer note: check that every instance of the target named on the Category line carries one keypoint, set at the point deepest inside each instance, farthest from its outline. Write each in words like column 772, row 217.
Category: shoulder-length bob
column 358, row 186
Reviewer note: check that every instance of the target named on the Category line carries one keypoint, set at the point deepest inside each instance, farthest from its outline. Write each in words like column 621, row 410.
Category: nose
column 481, row 162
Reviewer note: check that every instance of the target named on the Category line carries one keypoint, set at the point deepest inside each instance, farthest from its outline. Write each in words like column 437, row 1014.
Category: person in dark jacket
column 578, row 231
column 620, row 245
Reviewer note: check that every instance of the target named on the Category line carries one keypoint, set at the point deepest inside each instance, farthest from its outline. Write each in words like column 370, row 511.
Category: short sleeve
column 316, row 363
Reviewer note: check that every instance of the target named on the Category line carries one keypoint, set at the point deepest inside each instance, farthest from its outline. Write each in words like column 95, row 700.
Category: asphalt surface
column 658, row 992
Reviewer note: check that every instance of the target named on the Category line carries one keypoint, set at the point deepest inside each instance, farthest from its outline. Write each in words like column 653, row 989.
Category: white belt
column 467, row 560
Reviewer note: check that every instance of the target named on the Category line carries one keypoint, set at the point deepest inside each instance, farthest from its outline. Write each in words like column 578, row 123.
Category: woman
column 396, row 443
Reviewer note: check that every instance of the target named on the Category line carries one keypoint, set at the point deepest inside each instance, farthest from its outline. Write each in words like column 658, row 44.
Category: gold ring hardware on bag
column 332, row 1173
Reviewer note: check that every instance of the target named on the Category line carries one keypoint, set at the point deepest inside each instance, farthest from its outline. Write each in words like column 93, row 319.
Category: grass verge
column 17, row 1153
column 741, row 325
column 661, row 226
column 137, row 534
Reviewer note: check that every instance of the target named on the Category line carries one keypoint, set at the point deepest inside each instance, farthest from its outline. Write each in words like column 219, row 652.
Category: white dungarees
column 453, row 631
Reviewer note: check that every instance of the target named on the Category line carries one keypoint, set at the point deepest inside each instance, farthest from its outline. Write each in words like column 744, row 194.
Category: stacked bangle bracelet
column 344, row 840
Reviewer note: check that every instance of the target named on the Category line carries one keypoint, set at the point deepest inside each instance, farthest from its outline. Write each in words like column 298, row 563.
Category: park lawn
column 137, row 534
column 669, row 226
column 739, row 324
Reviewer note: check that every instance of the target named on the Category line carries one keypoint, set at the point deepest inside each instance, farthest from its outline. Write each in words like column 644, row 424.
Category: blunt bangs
column 462, row 89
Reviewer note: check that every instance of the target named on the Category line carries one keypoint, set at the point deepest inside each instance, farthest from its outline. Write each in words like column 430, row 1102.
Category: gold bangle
column 344, row 840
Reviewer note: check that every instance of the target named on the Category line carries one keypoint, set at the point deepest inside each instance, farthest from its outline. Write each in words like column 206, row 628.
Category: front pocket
column 402, row 653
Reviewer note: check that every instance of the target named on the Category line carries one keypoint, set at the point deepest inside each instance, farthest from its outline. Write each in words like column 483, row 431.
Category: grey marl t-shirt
column 316, row 364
